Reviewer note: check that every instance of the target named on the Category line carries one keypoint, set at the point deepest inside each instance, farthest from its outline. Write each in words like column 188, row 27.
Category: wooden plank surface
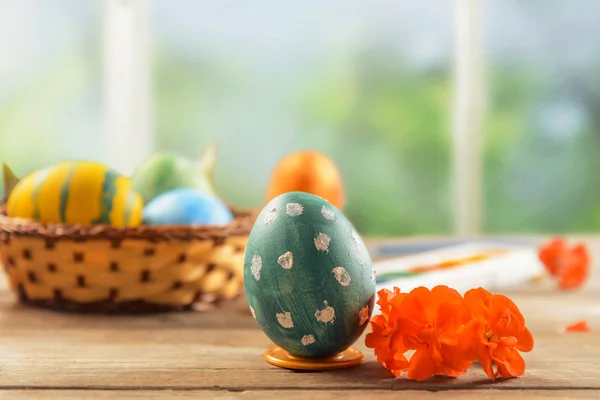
column 483, row 394
column 218, row 354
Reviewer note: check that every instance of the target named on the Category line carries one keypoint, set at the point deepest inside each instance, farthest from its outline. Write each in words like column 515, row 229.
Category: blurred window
column 372, row 84
column 50, row 83
column 369, row 83
column 542, row 126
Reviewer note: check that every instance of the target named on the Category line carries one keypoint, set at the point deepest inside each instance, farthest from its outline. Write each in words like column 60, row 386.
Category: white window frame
column 128, row 95
column 128, row 99
column 467, row 132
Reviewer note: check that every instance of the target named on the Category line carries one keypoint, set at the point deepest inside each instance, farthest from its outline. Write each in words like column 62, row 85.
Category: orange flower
column 581, row 326
column 429, row 322
column 391, row 357
column 448, row 332
column 432, row 322
column 569, row 265
column 497, row 333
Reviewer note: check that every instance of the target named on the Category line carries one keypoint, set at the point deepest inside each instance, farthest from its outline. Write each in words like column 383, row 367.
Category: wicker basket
column 129, row 270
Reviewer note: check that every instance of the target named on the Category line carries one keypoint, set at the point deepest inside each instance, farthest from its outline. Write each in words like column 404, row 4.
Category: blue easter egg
column 186, row 206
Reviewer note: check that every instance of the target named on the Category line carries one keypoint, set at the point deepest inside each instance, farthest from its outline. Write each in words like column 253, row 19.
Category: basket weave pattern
column 132, row 269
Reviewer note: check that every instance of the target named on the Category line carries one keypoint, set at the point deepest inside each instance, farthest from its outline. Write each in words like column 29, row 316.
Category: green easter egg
column 308, row 276
column 165, row 171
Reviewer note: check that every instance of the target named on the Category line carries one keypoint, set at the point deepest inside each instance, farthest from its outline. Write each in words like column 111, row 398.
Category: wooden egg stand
column 281, row 358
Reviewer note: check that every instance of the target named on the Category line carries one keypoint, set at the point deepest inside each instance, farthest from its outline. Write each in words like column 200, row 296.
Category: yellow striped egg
column 77, row 192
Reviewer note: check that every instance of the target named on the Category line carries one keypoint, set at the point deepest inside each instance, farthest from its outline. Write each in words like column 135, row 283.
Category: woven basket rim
column 241, row 225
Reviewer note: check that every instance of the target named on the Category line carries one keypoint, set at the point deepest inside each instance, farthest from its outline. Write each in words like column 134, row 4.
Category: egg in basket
column 80, row 236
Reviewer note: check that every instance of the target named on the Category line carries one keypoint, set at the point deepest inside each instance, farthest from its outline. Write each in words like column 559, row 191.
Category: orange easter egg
column 311, row 172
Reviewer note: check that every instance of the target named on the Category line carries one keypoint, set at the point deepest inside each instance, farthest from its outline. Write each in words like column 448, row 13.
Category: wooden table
column 218, row 355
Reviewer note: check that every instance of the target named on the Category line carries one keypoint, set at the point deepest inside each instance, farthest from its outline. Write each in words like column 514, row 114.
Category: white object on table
column 518, row 265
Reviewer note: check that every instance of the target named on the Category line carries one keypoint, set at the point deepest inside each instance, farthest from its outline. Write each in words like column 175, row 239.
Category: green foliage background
column 385, row 121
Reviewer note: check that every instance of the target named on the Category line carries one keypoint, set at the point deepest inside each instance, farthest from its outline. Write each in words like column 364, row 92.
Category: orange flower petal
column 372, row 340
column 447, row 317
column 396, row 363
column 501, row 300
column 397, row 369
column 418, row 305
column 525, row 341
column 574, row 275
column 581, row 326
column 443, row 294
column 383, row 297
column 550, row 254
column 455, row 363
column 485, row 359
column 511, row 365
column 396, row 307
column 420, row 366
column 478, row 301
